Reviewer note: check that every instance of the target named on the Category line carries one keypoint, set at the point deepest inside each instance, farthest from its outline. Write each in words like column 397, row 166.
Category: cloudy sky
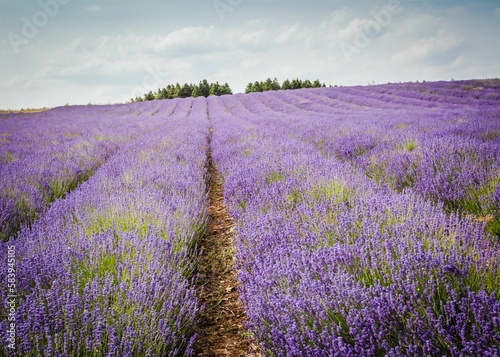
column 54, row 52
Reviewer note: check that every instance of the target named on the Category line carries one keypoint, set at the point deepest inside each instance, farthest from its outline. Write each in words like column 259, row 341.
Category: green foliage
column 317, row 84
column 149, row 96
column 307, row 84
column 286, row 85
column 273, row 84
column 217, row 89
column 186, row 90
column 296, row 83
column 196, row 91
column 257, row 87
column 225, row 89
column 249, row 88
column 204, row 88
column 274, row 177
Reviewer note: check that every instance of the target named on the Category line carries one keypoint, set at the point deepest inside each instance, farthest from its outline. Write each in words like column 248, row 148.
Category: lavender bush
column 45, row 155
column 107, row 270
column 448, row 151
column 331, row 262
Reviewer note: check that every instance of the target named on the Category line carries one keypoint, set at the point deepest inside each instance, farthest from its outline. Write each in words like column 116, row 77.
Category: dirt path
column 222, row 325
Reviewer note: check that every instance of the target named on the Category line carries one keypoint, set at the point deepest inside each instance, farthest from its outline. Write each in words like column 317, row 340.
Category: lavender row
column 449, row 154
column 45, row 155
column 402, row 97
column 107, row 270
column 332, row 264
column 477, row 93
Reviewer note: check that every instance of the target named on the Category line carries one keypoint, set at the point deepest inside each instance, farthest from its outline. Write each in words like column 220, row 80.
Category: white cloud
column 428, row 48
column 131, row 52
column 289, row 34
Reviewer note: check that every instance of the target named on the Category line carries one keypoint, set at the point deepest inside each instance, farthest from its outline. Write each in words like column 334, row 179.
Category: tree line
column 171, row 91
column 273, row 84
column 205, row 89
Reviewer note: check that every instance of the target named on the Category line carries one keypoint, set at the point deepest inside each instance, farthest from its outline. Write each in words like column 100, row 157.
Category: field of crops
column 368, row 221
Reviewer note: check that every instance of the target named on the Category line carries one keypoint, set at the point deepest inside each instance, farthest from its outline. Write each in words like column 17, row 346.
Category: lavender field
column 368, row 221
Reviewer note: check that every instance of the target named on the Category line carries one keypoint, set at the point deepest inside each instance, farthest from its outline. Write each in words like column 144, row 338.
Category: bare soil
column 26, row 111
column 222, row 327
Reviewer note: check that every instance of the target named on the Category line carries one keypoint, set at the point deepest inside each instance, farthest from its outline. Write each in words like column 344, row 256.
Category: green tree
column 149, row 96
column 267, row 85
column 177, row 90
column 196, row 91
column 170, row 91
column 275, row 85
column 204, row 88
column 249, row 88
column 225, row 89
column 160, row 94
column 286, row 84
column 316, row 84
column 257, row 87
column 214, row 89
column 185, row 91
column 307, row 84
column 296, row 84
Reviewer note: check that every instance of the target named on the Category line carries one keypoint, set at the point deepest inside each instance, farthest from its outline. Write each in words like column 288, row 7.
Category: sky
column 58, row 52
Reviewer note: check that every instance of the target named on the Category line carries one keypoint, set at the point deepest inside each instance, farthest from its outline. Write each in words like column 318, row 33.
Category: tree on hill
column 196, row 91
column 204, row 88
column 296, row 83
column 170, row 91
column 257, row 86
column 161, row 94
column 177, row 90
column 225, row 89
column 275, row 85
column 307, row 84
column 249, row 88
column 185, row 91
column 214, row 89
column 286, row 85
column 149, row 96
column 267, row 85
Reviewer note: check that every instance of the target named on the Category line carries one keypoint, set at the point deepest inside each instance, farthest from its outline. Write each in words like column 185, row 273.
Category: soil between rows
column 222, row 326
